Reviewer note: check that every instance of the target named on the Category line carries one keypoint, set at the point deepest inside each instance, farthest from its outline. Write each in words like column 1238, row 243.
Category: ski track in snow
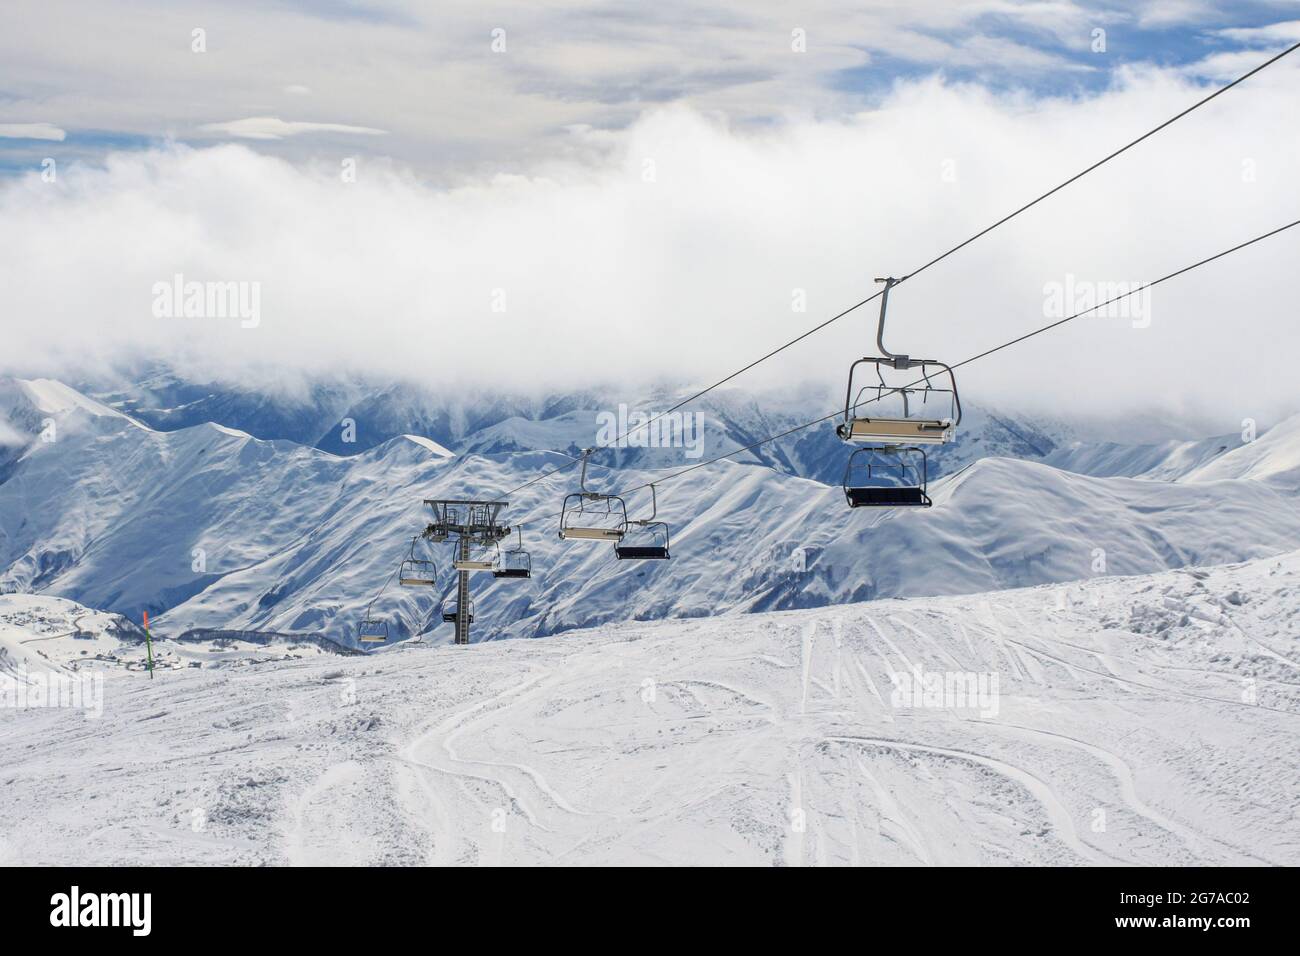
column 1122, row 734
column 1039, row 789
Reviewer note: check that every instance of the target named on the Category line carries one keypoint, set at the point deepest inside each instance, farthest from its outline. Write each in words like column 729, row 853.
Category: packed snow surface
column 1139, row 720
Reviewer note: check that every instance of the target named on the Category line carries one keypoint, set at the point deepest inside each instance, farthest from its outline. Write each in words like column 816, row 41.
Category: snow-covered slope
column 39, row 633
column 44, row 633
column 1144, row 720
column 132, row 519
column 1273, row 457
column 52, row 397
column 167, row 401
column 1160, row 461
column 746, row 539
column 28, row 406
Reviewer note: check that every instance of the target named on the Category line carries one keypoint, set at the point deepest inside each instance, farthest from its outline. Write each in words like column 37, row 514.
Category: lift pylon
column 468, row 524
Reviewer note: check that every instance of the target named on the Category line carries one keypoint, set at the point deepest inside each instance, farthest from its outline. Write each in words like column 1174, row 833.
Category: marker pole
column 148, row 643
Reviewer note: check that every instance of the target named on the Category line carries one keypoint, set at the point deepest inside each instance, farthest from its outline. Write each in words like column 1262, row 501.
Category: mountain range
column 226, row 510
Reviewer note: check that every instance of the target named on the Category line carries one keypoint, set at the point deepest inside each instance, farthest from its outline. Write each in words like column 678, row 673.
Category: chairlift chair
column 372, row 631
column 417, row 572
column 644, row 539
column 481, row 562
column 890, row 476
column 590, row 515
column 898, row 420
column 514, row 562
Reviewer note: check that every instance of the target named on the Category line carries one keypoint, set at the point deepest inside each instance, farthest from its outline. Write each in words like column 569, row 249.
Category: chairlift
column 417, row 572
column 590, row 515
column 890, row 476
column 451, row 610
column 644, row 539
column 514, row 562
column 915, row 411
column 372, row 630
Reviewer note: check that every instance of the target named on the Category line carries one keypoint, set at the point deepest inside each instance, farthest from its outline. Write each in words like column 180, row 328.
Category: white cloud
column 1259, row 44
column 1228, row 65
column 1169, row 13
column 11, row 437
column 678, row 250
column 427, row 74
column 31, row 131
column 1286, row 32
column 270, row 127
column 297, row 89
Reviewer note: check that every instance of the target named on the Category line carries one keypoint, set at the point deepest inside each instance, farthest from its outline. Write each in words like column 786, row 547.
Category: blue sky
column 425, row 87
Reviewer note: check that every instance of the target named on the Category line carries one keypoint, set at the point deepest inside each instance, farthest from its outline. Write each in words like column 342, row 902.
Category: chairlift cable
column 961, row 245
column 1101, row 162
column 880, row 395
column 915, row 272
column 381, row 592
column 974, row 358
column 366, row 632
column 541, row 477
column 988, row 352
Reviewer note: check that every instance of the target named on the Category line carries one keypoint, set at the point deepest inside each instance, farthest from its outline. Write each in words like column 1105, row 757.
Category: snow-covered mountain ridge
column 210, row 527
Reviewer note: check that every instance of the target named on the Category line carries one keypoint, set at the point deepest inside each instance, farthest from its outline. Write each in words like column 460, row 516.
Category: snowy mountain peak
column 428, row 444
column 226, row 430
column 53, row 397
column 1273, row 457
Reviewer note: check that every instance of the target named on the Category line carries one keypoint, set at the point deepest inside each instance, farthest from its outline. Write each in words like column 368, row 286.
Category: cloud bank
column 458, row 86
column 43, row 131
column 689, row 248
column 272, row 127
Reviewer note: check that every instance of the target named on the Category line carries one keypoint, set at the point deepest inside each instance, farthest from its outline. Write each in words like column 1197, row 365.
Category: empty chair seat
column 415, row 573
column 512, row 573
column 589, row 515
column 645, row 538
column 889, row 476
column 646, row 552
column 411, row 581
column 516, row 562
column 473, row 565
column 907, row 401
column 887, row 497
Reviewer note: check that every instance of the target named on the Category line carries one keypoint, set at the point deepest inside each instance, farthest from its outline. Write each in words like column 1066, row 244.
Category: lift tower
column 468, row 523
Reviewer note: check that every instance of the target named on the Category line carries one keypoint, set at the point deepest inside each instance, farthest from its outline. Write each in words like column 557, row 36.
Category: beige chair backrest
column 922, row 431
column 593, row 534
column 472, row 565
